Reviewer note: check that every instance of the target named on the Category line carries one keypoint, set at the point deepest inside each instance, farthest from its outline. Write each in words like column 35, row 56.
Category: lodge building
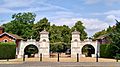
column 8, row 37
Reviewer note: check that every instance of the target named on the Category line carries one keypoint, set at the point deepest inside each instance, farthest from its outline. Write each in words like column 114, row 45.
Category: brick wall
column 5, row 37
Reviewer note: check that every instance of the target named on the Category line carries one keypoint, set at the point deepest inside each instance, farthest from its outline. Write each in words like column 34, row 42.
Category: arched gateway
column 33, row 48
column 86, row 48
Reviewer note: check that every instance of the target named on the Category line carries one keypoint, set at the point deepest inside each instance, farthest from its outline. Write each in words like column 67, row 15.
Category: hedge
column 7, row 50
column 106, row 51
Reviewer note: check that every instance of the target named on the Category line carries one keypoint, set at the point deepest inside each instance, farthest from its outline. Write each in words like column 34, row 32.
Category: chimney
column 1, row 30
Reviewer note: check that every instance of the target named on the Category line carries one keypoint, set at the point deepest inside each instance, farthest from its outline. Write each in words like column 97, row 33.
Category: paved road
column 63, row 64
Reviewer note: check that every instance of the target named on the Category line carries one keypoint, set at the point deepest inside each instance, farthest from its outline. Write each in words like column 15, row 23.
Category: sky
column 96, row 15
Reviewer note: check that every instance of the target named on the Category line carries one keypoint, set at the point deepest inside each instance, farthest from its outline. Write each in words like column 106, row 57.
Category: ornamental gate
column 43, row 46
column 33, row 48
column 77, row 46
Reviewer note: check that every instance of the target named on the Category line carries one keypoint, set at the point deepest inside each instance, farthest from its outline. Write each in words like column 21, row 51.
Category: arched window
column 75, row 40
column 44, row 40
column 5, row 40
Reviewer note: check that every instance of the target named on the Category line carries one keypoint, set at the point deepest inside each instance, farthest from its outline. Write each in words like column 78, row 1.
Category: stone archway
column 88, row 50
column 41, row 46
column 30, row 50
column 77, row 46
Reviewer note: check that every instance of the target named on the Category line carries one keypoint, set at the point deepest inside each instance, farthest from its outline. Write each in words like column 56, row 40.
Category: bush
column 7, row 50
column 102, row 50
column 106, row 51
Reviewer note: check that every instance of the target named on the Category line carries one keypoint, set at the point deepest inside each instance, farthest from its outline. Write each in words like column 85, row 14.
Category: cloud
column 5, row 10
column 57, row 14
column 18, row 3
column 110, row 12
column 114, row 12
column 92, row 25
column 91, row 1
column 4, row 21
column 103, row 1
column 9, row 6
column 111, row 18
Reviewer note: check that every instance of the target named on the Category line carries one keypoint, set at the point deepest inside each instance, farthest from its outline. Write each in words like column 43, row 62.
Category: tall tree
column 21, row 24
column 40, row 26
column 60, row 37
column 100, row 33
column 79, row 27
column 115, row 39
column 104, row 32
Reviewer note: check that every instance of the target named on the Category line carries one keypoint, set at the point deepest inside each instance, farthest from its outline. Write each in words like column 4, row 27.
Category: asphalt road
column 63, row 64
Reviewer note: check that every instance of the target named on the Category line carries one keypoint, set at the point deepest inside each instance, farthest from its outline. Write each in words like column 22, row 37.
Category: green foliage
column 56, row 48
column 40, row 26
column 103, row 50
column 88, row 50
column 7, row 50
column 60, row 37
column 113, row 35
column 23, row 25
column 115, row 39
column 79, row 27
column 106, row 51
column 31, row 49
column 104, row 32
column 117, row 57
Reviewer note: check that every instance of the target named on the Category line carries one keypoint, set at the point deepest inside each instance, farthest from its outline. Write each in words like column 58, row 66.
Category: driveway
column 63, row 64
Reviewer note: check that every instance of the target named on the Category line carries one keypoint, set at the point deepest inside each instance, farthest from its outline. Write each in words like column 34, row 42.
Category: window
column 5, row 40
column 44, row 40
column 75, row 40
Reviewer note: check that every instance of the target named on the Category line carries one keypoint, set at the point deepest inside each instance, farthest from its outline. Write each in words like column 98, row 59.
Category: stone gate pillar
column 44, row 43
column 75, row 48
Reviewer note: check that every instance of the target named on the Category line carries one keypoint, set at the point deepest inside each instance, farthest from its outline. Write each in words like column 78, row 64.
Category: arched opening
column 31, row 50
column 88, row 50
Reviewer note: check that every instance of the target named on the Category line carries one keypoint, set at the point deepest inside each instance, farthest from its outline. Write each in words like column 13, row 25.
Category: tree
column 79, row 27
column 56, row 38
column 104, row 32
column 60, row 37
column 21, row 24
column 100, row 33
column 115, row 39
column 40, row 26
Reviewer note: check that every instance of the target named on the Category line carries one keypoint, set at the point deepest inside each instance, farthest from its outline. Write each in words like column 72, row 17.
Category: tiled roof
column 12, row 35
column 101, row 37
column 16, row 36
column 1, row 27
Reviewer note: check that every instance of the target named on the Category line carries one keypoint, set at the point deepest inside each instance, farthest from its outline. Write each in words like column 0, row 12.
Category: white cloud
column 103, row 1
column 60, row 15
column 111, row 18
column 5, row 10
column 111, row 12
column 92, row 25
column 114, row 12
column 4, row 21
column 54, row 6
column 91, row 1
column 18, row 3
column 7, row 6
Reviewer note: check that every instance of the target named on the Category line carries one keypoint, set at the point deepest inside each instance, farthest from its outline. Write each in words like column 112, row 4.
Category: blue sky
column 95, row 14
